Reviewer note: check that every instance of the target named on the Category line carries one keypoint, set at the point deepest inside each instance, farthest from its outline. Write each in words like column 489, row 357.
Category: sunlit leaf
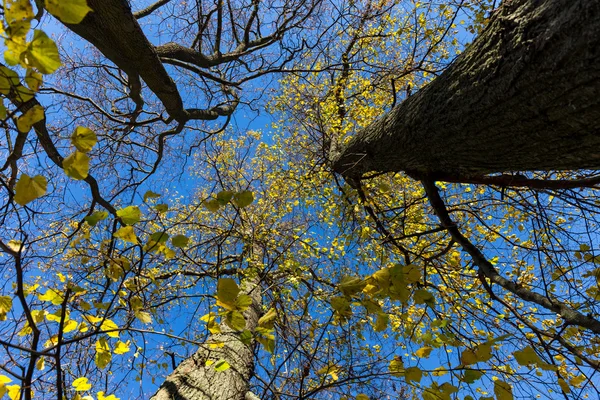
column 42, row 53
column 77, row 165
column 5, row 306
column 222, row 365
column 84, row 139
column 68, row 11
column 268, row 319
column 96, row 217
column 126, row 234
column 423, row 352
column 227, row 292
column 150, row 195
column 235, row 320
column 143, row 316
column 121, row 348
column 103, row 354
column 30, row 117
column 81, row 384
column 350, row 285
column 129, row 215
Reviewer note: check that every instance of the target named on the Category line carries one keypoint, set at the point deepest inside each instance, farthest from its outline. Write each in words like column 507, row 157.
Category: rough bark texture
column 524, row 96
column 193, row 380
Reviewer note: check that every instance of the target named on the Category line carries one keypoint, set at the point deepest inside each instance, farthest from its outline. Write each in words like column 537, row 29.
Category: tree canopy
column 307, row 199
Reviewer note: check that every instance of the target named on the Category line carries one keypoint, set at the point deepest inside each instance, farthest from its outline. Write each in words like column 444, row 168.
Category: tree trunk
column 524, row 96
column 194, row 380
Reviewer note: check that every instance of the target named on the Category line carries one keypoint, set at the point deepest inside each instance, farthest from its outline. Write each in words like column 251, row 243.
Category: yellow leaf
column 268, row 320
column 103, row 355
column 110, row 328
column 69, row 326
column 222, row 365
column 235, row 320
column 126, row 234
column 53, row 296
column 29, row 189
column 42, row 53
column 362, row 396
column 40, row 364
column 14, row 392
column 81, row 384
column 227, row 291
column 121, row 348
column 30, row 117
column 84, row 139
column 68, row 11
column 33, row 79
column 130, row 215
column 143, row 316
column 5, row 306
column 101, row 396
column 396, row 366
column 77, row 165
column 423, row 352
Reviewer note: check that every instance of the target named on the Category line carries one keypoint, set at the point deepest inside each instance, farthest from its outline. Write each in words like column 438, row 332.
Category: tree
column 264, row 279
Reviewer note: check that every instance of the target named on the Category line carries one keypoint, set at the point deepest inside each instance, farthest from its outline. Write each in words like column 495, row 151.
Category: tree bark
column 524, row 96
column 194, row 380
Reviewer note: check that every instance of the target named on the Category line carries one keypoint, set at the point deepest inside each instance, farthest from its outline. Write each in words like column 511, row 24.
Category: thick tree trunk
column 524, row 96
column 194, row 380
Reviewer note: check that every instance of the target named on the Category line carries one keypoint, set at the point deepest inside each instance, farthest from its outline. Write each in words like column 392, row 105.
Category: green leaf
column 362, row 396
column 29, row 189
column 33, row 79
column 150, row 195
column 129, row 215
column 8, row 79
column 77, row 165
column 422, row 296
column 382, row 322
column 42, row 53
column 159, row 237
column 243, row 302
column 84, row 139
column 227, row 292
column 68, row 11
column 212, row 205
column 350, row 285
column 81, row 384
column 527, row 356
column 243, row 199
column 503, row 390
column 30, row 117
column 17, row 11
column 471, row 376
column 413, row 374
column 96, row 217
column 235, row 320
column 180, row 241
column 224, row 197
column 126, row 234
column 161, row 208
column 2, row 110
column 222, row 365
